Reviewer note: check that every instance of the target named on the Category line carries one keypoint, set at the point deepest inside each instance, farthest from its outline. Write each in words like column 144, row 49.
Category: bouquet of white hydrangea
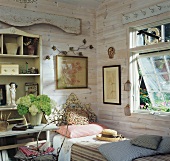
column 35, row 104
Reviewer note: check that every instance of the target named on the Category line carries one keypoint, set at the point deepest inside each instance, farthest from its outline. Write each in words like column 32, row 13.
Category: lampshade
column 127, row 86
column 127, row 110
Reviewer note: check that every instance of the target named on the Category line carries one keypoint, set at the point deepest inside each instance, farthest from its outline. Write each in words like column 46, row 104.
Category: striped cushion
column 147, row 141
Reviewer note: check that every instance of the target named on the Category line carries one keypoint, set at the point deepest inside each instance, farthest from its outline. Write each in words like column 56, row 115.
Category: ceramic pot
column 12, row 48
column 35, row 120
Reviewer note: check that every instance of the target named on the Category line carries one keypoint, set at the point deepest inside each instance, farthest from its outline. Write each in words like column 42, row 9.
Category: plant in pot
column 34, row 107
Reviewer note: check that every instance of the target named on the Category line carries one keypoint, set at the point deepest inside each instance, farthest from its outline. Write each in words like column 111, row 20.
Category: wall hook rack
column 81, row 46
column 143, row 12
column 152, row 10
column 146, row 12
column 159, row 7
column 135, row 15
column 26, row 1
column 74, row 50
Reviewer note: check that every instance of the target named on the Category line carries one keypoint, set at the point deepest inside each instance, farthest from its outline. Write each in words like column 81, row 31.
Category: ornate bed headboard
column 74, row 112
column 78, row 113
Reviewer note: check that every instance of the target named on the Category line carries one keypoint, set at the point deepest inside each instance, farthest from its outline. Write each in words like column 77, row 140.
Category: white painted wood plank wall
column 109, row 32
column 51, row 35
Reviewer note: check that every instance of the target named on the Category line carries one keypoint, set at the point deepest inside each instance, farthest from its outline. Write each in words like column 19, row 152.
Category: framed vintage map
column 112, row 84
column 71, row 72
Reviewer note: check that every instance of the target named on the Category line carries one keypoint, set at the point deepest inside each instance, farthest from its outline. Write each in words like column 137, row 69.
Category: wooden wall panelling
column 52, row 35
column 104, row 31
column 111, row 32
column 19, row 17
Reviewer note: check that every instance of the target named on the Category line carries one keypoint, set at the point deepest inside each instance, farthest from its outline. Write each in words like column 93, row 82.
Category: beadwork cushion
column 73, row 112
column 77, row 116
column 77, row 113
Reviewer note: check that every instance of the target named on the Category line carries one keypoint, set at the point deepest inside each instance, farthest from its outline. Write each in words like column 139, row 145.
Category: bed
column 82, row 126
column 66, row 152
column 86, row 149
column 80, row 142
column 90, row 152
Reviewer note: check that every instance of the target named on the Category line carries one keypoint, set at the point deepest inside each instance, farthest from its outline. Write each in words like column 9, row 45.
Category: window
column 155, row 72
column 150, row 68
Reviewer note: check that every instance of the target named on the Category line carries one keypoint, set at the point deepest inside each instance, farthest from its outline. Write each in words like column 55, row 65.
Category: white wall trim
column 146, row 12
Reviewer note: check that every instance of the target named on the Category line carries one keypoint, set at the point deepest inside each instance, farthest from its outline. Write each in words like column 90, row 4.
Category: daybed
column 80, row 143
column 90, row 152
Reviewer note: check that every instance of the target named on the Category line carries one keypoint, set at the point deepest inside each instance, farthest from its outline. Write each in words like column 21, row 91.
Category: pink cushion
column 76, row 131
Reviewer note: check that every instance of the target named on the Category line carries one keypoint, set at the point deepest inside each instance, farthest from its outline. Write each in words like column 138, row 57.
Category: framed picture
column 2, row 94
column 71, row 72
column 31, row 88
column 112, row 84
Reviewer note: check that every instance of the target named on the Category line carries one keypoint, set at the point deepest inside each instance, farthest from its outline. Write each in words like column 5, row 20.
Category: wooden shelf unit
column 25, row 62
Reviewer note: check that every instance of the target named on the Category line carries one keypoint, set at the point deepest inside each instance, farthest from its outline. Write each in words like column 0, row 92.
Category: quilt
column 85, row 151
column 124, row 151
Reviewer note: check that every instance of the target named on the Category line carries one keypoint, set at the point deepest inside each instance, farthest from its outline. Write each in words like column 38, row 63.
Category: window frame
column 135, row 77
column 134, row 51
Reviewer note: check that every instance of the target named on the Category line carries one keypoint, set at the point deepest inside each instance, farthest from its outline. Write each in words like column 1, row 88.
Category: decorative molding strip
column 146, row 12
column 21, row 17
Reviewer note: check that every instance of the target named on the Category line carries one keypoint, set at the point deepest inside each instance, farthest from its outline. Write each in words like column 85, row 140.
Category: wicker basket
column 3, row 126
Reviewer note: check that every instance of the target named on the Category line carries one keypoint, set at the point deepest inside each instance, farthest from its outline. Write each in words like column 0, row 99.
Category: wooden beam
column 21, row 17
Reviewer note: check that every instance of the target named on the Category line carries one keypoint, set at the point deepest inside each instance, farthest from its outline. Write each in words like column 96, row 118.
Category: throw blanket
column 65, row 154
column 124, row 151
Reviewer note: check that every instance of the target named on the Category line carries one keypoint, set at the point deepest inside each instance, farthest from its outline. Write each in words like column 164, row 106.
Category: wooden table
column 36, row 129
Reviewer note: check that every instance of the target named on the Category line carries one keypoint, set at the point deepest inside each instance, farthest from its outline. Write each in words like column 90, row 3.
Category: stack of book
column 19, row 127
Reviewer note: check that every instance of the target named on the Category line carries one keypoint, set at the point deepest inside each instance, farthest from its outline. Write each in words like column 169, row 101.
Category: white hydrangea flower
column 26, row 101
column 33, row 110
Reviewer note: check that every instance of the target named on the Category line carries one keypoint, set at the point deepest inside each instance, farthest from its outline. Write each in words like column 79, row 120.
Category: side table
column 9, row 133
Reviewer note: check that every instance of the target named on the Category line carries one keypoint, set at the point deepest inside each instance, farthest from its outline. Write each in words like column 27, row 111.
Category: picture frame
column 112, row 84
column 3, row 98
column 31, row 88
column 71, row 72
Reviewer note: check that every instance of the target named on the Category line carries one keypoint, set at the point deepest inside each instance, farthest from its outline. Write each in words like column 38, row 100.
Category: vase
column 35, row 120
column 31, row 49
column 12, row 48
